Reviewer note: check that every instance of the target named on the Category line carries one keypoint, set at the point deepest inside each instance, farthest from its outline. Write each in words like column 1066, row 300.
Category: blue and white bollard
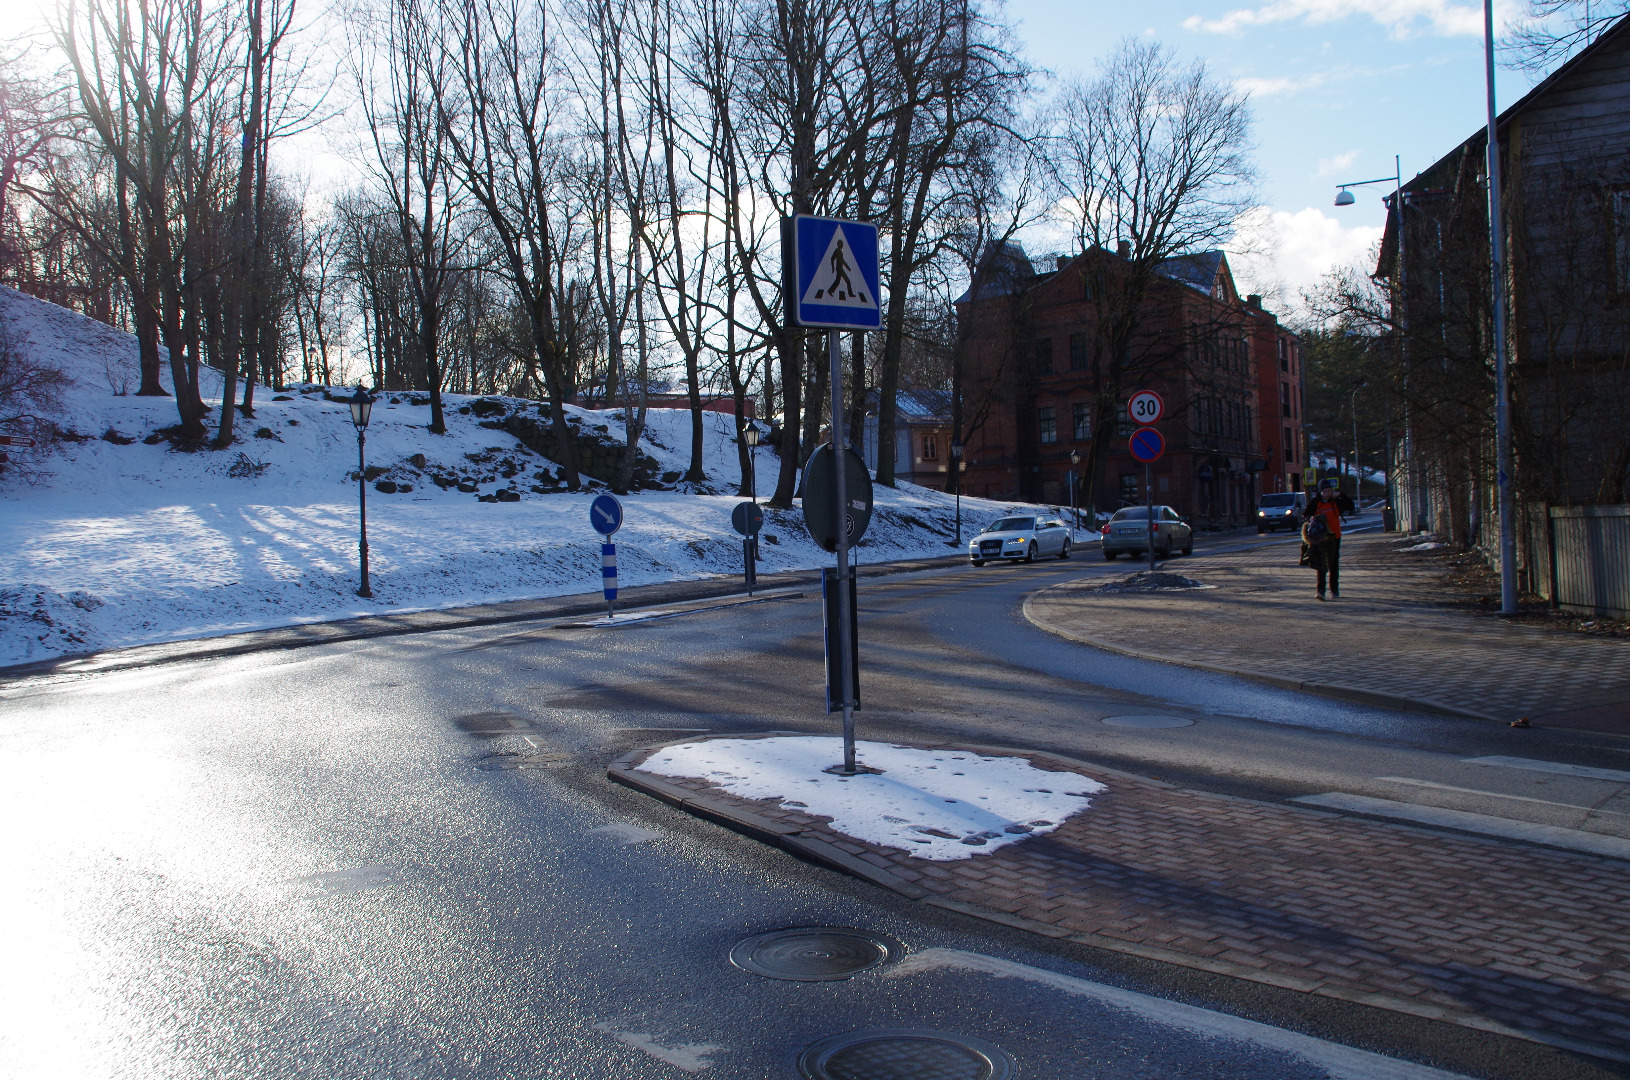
column 608, row 574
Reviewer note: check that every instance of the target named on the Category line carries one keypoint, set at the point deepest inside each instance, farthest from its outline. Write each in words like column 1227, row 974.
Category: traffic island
column 1440, row 926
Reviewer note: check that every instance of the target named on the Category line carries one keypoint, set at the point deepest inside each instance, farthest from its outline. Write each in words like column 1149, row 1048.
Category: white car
column 1024, row 537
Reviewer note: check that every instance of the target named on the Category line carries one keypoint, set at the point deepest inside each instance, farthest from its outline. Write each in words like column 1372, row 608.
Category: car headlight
column 1261, row 513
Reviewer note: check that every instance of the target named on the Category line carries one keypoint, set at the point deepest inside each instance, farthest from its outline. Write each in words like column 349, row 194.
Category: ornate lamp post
column 362, row 406
column 749, row 435
column 1075, row 515
column 956, row 481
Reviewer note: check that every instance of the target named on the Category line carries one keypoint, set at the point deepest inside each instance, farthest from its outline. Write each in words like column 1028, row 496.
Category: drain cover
column 904, row 1054
column 815, row 953
column 1146, row 721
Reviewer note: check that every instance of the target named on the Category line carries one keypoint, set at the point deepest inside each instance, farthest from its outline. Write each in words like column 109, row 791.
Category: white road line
column 1339, row 1062
column 1534, row 765
column 1550, row 835
column 1493, row 794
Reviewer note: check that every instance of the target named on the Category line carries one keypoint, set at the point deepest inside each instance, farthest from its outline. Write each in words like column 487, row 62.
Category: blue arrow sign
column 835, row 281
column 1146, row 444
column 606, row 514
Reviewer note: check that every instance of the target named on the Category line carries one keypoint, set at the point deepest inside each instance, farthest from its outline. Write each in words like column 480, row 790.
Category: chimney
column 1060, row 261
column 1123, row 248
column 1254, row 301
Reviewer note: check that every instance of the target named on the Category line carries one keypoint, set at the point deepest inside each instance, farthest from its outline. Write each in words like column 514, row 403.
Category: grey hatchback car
column 1128, row 531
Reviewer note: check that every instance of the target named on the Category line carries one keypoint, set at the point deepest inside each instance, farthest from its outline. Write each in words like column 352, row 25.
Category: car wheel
column 1109, row 556
column 1260, row 529
column 978, row 562
column 1188, row 548
column 1030, row 553
column 1064, row 552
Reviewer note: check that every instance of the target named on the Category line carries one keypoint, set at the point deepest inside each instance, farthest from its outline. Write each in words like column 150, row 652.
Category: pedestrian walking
column 1321, row 538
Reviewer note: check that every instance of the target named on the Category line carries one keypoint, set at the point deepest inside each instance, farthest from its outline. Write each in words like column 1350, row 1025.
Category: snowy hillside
column 128, row 541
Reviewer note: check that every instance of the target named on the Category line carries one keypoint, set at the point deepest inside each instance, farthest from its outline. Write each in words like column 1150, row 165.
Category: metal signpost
column 1146, row 445
column 606, row 515
column 834, row 285
column 747, row 519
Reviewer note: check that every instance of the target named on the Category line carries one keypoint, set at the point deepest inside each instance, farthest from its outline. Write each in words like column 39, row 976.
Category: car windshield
column 1015, row 524
column 1132, row 513
column 1288, row 499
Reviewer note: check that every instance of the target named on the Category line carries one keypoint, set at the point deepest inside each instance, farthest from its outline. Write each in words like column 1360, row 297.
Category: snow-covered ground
column 128, row 542
column 935, row 804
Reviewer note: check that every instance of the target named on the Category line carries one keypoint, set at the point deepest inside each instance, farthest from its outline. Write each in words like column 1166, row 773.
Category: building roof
column 1198, row 271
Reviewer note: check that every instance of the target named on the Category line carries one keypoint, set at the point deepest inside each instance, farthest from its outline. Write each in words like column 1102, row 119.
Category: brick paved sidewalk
column 1391, row 638
column 1500, row 937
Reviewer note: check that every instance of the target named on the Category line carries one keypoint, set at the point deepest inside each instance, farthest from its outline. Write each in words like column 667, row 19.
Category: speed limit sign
column 1145, row 407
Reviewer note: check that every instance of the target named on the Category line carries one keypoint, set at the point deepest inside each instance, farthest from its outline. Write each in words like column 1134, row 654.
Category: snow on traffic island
column 940, row 805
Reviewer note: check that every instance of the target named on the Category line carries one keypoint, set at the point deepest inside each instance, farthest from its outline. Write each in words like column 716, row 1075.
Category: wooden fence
column 1578, row 558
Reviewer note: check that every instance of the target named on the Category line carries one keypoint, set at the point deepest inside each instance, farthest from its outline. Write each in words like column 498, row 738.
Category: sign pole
column 839, row 447
column 1149, row 503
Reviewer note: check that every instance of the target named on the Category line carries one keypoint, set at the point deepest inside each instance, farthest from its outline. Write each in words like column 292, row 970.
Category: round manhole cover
column 815, row 953
column 1146, row 721
column 904, row 1054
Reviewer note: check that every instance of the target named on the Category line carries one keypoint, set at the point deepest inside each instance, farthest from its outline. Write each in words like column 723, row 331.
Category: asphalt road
column 306, row 864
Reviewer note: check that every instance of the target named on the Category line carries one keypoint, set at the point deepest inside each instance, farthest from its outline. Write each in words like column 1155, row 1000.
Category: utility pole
column 1502, row 398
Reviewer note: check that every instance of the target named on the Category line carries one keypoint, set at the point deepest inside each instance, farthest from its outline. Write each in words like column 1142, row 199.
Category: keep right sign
column 1145, row 407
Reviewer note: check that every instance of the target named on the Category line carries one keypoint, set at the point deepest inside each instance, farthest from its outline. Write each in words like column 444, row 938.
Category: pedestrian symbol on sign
column 839, row 289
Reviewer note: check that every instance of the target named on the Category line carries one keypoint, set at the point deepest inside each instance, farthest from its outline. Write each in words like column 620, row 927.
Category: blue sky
column 1337, row 87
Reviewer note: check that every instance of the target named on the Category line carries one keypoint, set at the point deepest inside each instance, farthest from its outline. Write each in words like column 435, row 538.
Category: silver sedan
column 1128, row 531
column 1025, row 538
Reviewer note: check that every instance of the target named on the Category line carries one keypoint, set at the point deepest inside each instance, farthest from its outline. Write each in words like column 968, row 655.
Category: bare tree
column 1153, row 160
column 1553, row 30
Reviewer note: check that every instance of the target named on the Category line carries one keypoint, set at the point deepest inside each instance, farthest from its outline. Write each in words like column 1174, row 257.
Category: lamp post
column 956, row 481
column 1075, row 515
column 1357, row 482
column 361, row 407
column 1502, row 397
column 749, row 435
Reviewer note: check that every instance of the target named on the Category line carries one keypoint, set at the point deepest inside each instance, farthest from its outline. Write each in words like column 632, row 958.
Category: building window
column 1049, row 425
column 1284, row 354
column 1621, row 238
column 1129, row 489
column 1284, row 398
column 1078, row 352
column 1041, row 351
column 1081, row 421
column 1290, row 447
column 931, row 447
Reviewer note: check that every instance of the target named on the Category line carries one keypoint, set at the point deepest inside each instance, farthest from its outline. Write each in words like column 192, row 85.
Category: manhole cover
column 1146, row 721
column 815, row 953
column 904, row 1054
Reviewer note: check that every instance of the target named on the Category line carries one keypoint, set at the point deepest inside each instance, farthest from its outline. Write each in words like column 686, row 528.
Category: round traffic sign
column 747, row 518
column 820, row 496
column 606, row 514
column 1146, row 444
column 1145, row 407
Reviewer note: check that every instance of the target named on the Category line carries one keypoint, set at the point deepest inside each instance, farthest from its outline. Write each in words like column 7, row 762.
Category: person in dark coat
column 1321, row 538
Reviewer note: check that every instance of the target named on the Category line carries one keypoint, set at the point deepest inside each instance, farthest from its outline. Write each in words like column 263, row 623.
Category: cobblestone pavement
column 1391, row 638
column 1495, row 936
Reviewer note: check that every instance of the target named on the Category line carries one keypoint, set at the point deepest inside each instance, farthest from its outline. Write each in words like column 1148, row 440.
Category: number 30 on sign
column 1145, row 407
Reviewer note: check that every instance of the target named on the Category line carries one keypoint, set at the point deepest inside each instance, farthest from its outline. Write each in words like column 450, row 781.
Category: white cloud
column 1330, row 166
column 1400, row 17
column 1279, row 254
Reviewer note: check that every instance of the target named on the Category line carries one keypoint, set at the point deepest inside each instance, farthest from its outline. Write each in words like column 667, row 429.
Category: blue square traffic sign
column 835, row 279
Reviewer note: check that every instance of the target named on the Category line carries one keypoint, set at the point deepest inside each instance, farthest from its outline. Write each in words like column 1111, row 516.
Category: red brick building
column 1225, row 368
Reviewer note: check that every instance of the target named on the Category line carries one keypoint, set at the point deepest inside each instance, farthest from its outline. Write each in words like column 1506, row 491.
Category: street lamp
column 1502, row 396
column 749, row 435
column 956, row 479
column 1075, row 515
column 362, row 406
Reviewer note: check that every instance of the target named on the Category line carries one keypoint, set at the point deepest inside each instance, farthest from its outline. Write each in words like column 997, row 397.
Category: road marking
column 1611, row 775
column 1494, row 794
column 1505, row 828
column 1338, row 1062
column 691, row 1058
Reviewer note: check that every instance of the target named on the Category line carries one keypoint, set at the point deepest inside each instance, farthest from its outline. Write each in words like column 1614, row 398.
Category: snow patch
column 1430, row 545
column 941, row 805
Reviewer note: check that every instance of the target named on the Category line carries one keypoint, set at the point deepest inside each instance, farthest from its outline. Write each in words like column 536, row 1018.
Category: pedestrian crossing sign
column 835, row 283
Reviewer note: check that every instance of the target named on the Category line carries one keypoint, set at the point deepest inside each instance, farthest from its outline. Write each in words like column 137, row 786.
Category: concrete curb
column 1340, row 691
column 625, row 771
